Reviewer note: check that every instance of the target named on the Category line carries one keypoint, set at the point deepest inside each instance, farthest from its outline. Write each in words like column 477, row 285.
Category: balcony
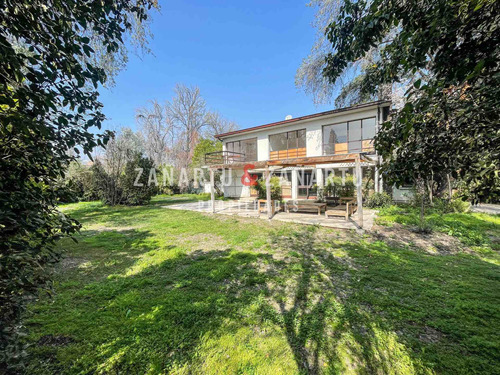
column 224, row 157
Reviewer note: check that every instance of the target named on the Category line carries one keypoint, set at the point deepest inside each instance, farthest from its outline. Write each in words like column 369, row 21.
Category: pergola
column 270, row 166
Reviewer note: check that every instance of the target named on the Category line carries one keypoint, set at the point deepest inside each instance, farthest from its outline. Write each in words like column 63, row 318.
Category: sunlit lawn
column 153, row 290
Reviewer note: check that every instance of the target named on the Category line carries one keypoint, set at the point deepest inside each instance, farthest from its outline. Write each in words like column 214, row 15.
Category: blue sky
column 242, row 54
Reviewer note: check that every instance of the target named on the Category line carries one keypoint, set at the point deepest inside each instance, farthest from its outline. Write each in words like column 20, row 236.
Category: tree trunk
column 449, row 186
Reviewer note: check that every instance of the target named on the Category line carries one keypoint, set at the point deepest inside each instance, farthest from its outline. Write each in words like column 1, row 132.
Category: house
column 303, row 151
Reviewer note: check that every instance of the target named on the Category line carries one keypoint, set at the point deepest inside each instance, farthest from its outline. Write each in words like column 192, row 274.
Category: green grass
column 472, row 229
column 153, row 290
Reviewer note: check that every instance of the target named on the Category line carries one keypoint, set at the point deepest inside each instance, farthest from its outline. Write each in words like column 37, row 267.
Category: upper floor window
column 347, row 137
column 287, row 145
column 245, row 150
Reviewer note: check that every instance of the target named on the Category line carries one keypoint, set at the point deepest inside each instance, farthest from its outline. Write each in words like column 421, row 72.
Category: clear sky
column 242, row 54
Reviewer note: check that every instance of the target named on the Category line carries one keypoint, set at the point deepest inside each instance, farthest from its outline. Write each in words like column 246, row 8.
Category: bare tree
column 158, row 132
column 187, row 111
column 216, row 124
column 172, row 131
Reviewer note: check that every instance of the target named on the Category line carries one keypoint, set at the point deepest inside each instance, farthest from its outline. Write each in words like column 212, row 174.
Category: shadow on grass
column 366, row 307
column 343, row 307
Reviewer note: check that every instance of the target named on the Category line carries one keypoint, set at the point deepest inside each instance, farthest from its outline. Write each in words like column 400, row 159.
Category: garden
column 146, row 289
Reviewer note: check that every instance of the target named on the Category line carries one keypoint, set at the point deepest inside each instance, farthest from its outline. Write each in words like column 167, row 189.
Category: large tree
column 173, row 130
column 449, row 123
column 49, row 110
column 345, row 90
column 158, row 131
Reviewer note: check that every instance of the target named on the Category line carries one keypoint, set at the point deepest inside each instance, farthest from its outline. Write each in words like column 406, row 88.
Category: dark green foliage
column 122, row 188
column 451, row 49
column 377, row 200
column 132, row 194
column 336, row 188
column 275, row 188
column 80, row 180
column 48, row 105
column 456, row 205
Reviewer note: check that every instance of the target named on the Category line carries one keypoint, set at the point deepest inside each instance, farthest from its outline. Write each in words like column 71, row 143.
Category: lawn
column 153, row 290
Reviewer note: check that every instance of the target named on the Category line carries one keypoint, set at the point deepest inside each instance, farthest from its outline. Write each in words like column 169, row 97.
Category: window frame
column 296, row 139
column 240, row 150
column 348, row 140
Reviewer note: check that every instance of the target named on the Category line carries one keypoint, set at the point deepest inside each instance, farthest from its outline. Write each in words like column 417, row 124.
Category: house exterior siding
column 313, row 126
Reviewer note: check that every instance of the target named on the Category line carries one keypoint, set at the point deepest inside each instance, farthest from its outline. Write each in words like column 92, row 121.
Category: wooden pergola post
column 212, row 189
column 359, row 186
column 268, row 194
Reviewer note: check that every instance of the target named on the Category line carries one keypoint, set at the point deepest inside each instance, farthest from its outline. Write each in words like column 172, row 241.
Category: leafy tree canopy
column 48, row 108
column 449, row 123
column 203, row 147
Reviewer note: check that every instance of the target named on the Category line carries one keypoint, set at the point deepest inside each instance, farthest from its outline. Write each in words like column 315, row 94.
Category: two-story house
column 303, row 151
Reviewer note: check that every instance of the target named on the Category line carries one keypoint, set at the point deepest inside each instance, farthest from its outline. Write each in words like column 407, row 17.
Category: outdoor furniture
column 298, row 205
column 332, row 201
column 262, row 206
column 346, row 209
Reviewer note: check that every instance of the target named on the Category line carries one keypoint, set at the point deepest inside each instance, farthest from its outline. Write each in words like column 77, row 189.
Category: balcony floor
column 249, row 209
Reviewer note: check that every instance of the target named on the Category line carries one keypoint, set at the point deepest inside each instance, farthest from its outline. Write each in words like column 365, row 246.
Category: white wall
column 235, row 189
column 314, row 142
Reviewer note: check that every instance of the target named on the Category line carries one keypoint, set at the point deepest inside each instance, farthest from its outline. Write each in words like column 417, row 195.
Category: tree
column 48, row 107
column 187, row 110
column 172, row 131
column 204, row 146
column 158, row 131
column 345, row 90
column 449, row 123
column 216, row 124
column 119, row 152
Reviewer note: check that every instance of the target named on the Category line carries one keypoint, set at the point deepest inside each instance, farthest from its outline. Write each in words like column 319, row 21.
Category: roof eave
column 379, row 103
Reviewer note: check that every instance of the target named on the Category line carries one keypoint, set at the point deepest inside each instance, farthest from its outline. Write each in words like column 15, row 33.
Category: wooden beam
column 212, row 190
column 346, row 158
column 268, row 193
column 359, row 186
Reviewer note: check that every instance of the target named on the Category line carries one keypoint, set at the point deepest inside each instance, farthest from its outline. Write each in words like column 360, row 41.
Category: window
column 352, row 136
column 245, row 150
column 287, row 145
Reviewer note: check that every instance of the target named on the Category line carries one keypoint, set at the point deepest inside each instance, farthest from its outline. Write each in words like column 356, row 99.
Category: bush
column 133, row 195
column 335, row 188
column 379, row 200
column 275, row 188
column 80, row 183
column 455, row 205
column 121, row 188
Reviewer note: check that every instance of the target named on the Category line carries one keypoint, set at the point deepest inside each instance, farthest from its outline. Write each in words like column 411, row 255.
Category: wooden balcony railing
column 224, row 157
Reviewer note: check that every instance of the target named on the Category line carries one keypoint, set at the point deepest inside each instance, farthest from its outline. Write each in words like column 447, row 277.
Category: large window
column 245, row 150
column 288, row 145
column 352, row 136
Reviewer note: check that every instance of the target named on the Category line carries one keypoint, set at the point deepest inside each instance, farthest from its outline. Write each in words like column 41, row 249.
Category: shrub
column 132, row 194
column 80, row 183
column 121, row 188
column 275, row 188
column 379, row 200
column 456, row 205
column 335, row 188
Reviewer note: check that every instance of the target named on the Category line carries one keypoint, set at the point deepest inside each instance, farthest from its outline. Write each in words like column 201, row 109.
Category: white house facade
column 291, row 148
